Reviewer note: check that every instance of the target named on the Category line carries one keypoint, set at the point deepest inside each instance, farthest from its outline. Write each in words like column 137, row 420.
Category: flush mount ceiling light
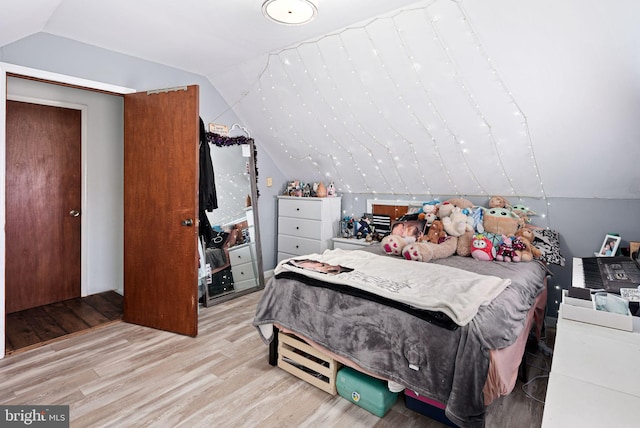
column 290, row 12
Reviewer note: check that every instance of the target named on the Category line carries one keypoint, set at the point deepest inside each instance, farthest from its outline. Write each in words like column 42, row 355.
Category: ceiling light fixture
column 290, row 12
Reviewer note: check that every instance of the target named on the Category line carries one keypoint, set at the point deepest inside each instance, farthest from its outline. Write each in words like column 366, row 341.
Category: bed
column 463, row 360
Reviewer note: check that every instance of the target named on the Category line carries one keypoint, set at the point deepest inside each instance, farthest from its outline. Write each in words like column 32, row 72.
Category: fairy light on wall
column 321, row 101
column 418, row 121
column 503, row 84
column 324, row 101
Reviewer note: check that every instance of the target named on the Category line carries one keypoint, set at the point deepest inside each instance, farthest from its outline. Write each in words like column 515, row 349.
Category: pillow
column 548, row 242
column 218, row 240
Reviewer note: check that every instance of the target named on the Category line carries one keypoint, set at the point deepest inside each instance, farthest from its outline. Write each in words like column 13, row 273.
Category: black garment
column 208, row 198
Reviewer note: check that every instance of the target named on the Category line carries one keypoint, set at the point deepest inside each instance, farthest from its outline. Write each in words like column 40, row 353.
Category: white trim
column 63, row 78
column 53, row 77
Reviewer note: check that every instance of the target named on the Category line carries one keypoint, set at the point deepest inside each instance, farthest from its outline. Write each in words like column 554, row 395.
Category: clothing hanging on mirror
column 208, row 199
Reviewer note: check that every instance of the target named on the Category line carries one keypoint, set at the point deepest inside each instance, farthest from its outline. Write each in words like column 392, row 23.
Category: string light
column 445, row 128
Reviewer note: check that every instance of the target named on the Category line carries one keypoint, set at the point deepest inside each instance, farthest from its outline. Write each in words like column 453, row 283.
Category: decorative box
column 367, row 392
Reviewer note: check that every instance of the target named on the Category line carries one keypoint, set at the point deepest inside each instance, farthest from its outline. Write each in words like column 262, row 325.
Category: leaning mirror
column 233, row 256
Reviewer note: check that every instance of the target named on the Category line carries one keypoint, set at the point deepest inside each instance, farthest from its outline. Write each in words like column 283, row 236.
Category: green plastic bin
column 365, row 391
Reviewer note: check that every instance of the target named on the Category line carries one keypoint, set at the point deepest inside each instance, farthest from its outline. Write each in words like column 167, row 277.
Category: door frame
column 83, row 178
column 6, row 68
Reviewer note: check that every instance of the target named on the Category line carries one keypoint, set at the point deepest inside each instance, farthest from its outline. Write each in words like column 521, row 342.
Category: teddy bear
column 457, row 223
column 393, row 244
column 499, row 202
column 464, row 244
column 482, row 248
column 425, row 251
column 462, row 203
column 454, row 215
column 428, row 213
column 436, row 233
column 530, row 251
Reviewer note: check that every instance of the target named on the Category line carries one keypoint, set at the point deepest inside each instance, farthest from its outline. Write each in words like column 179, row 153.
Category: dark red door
column 160, row 210
column 43, row 201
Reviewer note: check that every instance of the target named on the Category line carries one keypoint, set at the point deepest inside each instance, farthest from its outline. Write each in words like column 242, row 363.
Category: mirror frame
column 222, row 141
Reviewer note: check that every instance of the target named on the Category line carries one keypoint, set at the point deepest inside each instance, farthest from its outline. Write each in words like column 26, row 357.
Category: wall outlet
column 269, row 181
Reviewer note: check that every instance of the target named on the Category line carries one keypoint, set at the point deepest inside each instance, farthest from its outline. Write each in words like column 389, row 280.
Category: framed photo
column 634, row 246
column 609, row 246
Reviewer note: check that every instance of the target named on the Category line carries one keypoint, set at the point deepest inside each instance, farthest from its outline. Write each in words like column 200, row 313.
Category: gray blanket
column 445, row 365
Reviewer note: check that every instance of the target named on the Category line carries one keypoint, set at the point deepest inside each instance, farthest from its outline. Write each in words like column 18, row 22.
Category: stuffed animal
column 428, row 213
column 524, row 213
column 530, row 251
column 464, row 244
column 331, row 190
column 461, row 203
column 500, row 221
column 393, row 244
column 436, row 233
column 498, row 202
column 457, row 223
column 482, row 248
column 477, row 214
column 426, row 251
column 508, row 250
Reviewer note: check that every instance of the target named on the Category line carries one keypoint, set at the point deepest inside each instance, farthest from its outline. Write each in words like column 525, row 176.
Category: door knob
column 188, row 222
column 74, row 213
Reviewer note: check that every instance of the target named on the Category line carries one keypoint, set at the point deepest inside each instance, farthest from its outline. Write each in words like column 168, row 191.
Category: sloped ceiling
column 438, row 97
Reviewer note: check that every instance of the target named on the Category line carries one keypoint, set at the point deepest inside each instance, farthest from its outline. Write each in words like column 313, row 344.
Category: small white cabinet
column 241, row 260
column 307, row 225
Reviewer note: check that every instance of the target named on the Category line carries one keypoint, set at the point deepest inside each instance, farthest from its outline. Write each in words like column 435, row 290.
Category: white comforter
column 454, row 292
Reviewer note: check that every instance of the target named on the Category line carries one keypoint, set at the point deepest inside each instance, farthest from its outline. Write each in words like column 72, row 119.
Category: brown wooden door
column 160, row 200
column 43, row 186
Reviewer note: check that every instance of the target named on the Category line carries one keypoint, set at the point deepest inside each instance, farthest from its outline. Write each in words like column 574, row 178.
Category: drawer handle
column 297, row 227
column 297, row 209
column 297, row 246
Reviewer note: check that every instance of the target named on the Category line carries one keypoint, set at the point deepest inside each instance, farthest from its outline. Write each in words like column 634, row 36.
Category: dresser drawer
column 302, row 228
column 244, row 285
column 300, row 208
column 240, row 255
column 242, row 272
column 298, row 246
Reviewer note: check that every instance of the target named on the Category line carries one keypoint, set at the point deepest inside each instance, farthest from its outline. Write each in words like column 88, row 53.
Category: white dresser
column 241, row 260
column 595, row 375
column 307, row 225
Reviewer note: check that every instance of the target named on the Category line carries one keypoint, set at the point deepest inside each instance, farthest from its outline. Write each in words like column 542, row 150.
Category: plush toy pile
column 500, row 232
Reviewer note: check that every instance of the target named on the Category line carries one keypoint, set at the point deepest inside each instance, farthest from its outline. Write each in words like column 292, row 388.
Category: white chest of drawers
column 307, row 225
column 241, row 260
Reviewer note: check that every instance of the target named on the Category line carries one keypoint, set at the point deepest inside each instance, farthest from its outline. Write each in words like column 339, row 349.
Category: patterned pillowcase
column 548, row 242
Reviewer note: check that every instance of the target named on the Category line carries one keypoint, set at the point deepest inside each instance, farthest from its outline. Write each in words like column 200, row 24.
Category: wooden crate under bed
column 303, row 361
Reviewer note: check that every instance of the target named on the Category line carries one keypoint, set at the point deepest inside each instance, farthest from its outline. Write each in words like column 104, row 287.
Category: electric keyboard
column 608, row 273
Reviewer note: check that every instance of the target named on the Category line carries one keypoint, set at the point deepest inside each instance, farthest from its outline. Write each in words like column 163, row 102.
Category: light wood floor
column 125, row 375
